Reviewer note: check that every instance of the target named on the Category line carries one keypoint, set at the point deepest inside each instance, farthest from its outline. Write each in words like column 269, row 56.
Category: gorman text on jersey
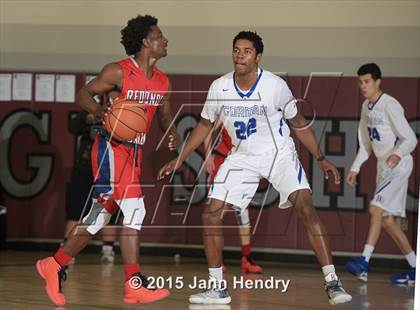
column 241, row 111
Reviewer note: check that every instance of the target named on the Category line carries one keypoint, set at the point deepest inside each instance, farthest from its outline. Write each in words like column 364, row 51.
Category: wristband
column 320, row 158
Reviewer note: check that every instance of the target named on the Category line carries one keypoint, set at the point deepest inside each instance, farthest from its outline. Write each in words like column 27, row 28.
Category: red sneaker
column 248, row 265
column 135, row 290
column 53, row 274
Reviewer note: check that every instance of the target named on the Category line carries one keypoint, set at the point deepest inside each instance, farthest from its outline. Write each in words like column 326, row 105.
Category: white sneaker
column 363, row 276
column 108, row 255
column 336, row 293
column 208, row 307
column 211, row 296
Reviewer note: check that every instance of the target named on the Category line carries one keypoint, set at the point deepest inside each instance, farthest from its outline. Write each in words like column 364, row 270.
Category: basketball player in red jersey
column 116, row 165
column 216, row 154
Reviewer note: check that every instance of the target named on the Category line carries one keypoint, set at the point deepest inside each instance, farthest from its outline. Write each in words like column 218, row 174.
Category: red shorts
column 115, row 173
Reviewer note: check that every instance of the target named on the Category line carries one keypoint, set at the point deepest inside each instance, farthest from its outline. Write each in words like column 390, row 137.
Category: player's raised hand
column 393, row 160
column 168, row 168
column 327, row 166
column 173, row 141
column 210, row 164
column 351, row 178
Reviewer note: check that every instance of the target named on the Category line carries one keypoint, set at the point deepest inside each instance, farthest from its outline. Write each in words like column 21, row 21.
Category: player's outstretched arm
column 306, row 135
column 197, row 136
column 109, row 79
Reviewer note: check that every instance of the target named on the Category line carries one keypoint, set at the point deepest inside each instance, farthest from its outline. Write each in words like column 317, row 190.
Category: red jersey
column 148, row 92
column 116, row 166
column 223, row 143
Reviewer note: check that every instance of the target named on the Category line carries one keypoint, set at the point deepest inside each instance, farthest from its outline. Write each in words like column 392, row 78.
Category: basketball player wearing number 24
column 253, row 105
column 116, row 164
column 384, row 130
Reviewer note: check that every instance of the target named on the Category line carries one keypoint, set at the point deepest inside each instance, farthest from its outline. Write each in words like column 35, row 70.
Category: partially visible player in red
column 116, row 164
column 216, row 153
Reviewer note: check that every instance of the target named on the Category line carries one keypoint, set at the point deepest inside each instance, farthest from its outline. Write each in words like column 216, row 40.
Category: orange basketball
column 125, row 120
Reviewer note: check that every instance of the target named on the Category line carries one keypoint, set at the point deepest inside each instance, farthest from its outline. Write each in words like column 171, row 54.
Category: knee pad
column 97, row 218
column 134, row 212
column 242, row 216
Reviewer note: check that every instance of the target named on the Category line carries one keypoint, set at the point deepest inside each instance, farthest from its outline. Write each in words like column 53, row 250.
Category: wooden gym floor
column 91, row 285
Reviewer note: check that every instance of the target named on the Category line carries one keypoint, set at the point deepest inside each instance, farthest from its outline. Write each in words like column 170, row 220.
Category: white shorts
column 238, row 177
column 391, row 186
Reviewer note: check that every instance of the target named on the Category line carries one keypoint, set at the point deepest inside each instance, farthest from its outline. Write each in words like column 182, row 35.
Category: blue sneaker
column 408, row 277
column 359, row 267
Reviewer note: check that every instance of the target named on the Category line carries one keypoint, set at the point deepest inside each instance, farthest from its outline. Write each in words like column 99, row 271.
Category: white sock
column 329, row 273
column 216, row 273
column 411, row 259
column 107, row 249
column 367, row 251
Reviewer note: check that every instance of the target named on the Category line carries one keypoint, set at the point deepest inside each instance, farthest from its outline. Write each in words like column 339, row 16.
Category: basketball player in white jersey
column 254, row 106
column 384, row 129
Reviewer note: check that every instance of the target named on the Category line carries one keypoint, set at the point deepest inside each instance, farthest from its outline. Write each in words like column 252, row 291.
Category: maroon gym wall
column 335, row 99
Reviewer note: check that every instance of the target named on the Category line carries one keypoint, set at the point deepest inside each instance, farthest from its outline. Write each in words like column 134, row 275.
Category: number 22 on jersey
column 244, row 130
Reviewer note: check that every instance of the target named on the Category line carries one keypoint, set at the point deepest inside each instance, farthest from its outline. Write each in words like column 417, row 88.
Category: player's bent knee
column 307, row 214
column 388, row 222
column 300, row 197
column 211, row 218
column 96, row 219
column 304, row 207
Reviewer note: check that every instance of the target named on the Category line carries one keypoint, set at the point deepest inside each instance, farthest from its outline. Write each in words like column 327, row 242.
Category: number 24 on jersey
column 373, row 134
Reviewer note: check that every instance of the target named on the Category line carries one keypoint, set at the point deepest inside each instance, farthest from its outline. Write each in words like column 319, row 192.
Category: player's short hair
column 253, row 37
column 370, row 68
column 136, row 30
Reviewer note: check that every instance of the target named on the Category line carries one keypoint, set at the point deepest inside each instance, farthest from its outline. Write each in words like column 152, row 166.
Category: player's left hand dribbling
column 326, row 166
column 393, row 160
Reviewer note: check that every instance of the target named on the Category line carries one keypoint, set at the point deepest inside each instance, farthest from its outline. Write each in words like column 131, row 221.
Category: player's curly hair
column 370, row 68
column 136, row 30
column 253, row 37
